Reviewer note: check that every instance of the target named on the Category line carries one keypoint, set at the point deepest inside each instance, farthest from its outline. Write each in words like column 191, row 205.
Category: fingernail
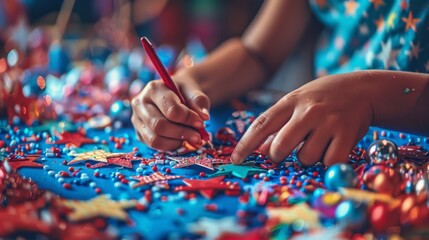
column 198, row 125
column 205, row 111
column 195, row 139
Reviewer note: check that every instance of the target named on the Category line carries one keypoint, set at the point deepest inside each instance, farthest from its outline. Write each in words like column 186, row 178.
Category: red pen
column 168, row 81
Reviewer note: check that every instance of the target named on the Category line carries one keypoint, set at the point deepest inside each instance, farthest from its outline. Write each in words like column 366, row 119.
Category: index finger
column 266, row 124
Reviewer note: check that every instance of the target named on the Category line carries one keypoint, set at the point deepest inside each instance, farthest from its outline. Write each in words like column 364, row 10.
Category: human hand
column 162, row 121
column 328, row 115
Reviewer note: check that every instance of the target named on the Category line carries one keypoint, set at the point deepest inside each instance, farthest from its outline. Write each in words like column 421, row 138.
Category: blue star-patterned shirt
column 372, row 34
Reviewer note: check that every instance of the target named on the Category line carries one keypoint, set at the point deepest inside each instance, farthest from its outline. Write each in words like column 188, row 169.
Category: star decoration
column 155, row 177
column 76, row 139
column 288, row 215
column 391, row 20
column 415, row 51
column 23, row 217
column 96, row 155
column 380, row 23
column 25, row 108
column 404, row 4
column 388, row 56
column 320, row 3
column 377, row 3
column 240, row 171
column 410, row 22
column 199, row 160
column 100, row 206
column 124, row 160
column 27, row 161
column 213, row 228
column 351, row 7
column 207, row 188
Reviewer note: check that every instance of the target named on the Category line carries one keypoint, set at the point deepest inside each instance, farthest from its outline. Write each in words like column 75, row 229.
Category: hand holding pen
column 166, row 114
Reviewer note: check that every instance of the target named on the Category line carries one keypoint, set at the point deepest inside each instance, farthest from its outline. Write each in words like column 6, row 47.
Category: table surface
column 161, row 219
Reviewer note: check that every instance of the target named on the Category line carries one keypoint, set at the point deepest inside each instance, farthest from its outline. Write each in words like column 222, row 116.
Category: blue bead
column 282, row 173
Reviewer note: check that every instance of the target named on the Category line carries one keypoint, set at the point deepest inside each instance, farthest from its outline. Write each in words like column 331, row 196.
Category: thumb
column 198, row 101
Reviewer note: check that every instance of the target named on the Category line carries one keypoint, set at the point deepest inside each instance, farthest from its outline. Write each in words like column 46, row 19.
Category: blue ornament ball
column 352, row 214
column 340, row 175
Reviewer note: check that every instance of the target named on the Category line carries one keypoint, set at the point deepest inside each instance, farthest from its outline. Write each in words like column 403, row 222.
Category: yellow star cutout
column 377, row 3
column 366, row 196
column 97, row 155
column 380, row 23
column 100, row 206
column 410, row 22
column 300, row 211
column 391, row 20
column 351, row 7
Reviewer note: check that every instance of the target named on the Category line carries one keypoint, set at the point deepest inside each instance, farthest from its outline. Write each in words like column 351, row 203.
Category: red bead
column 64, row 174
column 155, row 168
column 88, row 165
column 315, row 174
column 98, row 190
column 135, row 149
column 100, row 223
column 202, row 174
column 266, row 178
column 212, row 207
column 124, row 181
column 256, row 176
column 164, row 198
column 118, row 146
column 401, row 135
column 140, row 207
column 67, row 185
column 180, row 211
column 64, row 162
column 167, row 170
column 96, row 174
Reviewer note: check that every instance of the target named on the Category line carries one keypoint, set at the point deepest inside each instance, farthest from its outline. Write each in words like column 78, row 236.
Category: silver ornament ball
column 383, row 152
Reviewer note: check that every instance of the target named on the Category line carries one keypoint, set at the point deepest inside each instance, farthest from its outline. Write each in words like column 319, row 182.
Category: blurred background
column 82, row 59
column 118, row 23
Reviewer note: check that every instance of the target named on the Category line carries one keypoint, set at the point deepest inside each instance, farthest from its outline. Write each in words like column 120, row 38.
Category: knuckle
column 241, row 146
column 172, row 112
column 306, row 158
column 157, row 124
column 277, row 150
column 261, row 122
column 153, row 141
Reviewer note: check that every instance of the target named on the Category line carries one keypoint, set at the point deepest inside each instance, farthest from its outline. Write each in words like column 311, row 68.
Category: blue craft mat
column 161, row 219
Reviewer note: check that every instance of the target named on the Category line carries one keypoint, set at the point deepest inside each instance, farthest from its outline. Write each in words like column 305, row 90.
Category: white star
column 388, row 56
column 213, row 228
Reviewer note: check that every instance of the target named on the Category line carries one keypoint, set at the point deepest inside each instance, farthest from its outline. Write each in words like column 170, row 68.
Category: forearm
column 400, row 100
column 228, row 72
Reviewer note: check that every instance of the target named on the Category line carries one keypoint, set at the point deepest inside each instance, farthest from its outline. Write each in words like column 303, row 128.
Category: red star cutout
column 155, row 177
column 122, row 161
column 23, row 217
column 19, row 105
column 207, row 188
column 27, row 161
column 410, row 22
column 76, row 139
column 200, row 160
